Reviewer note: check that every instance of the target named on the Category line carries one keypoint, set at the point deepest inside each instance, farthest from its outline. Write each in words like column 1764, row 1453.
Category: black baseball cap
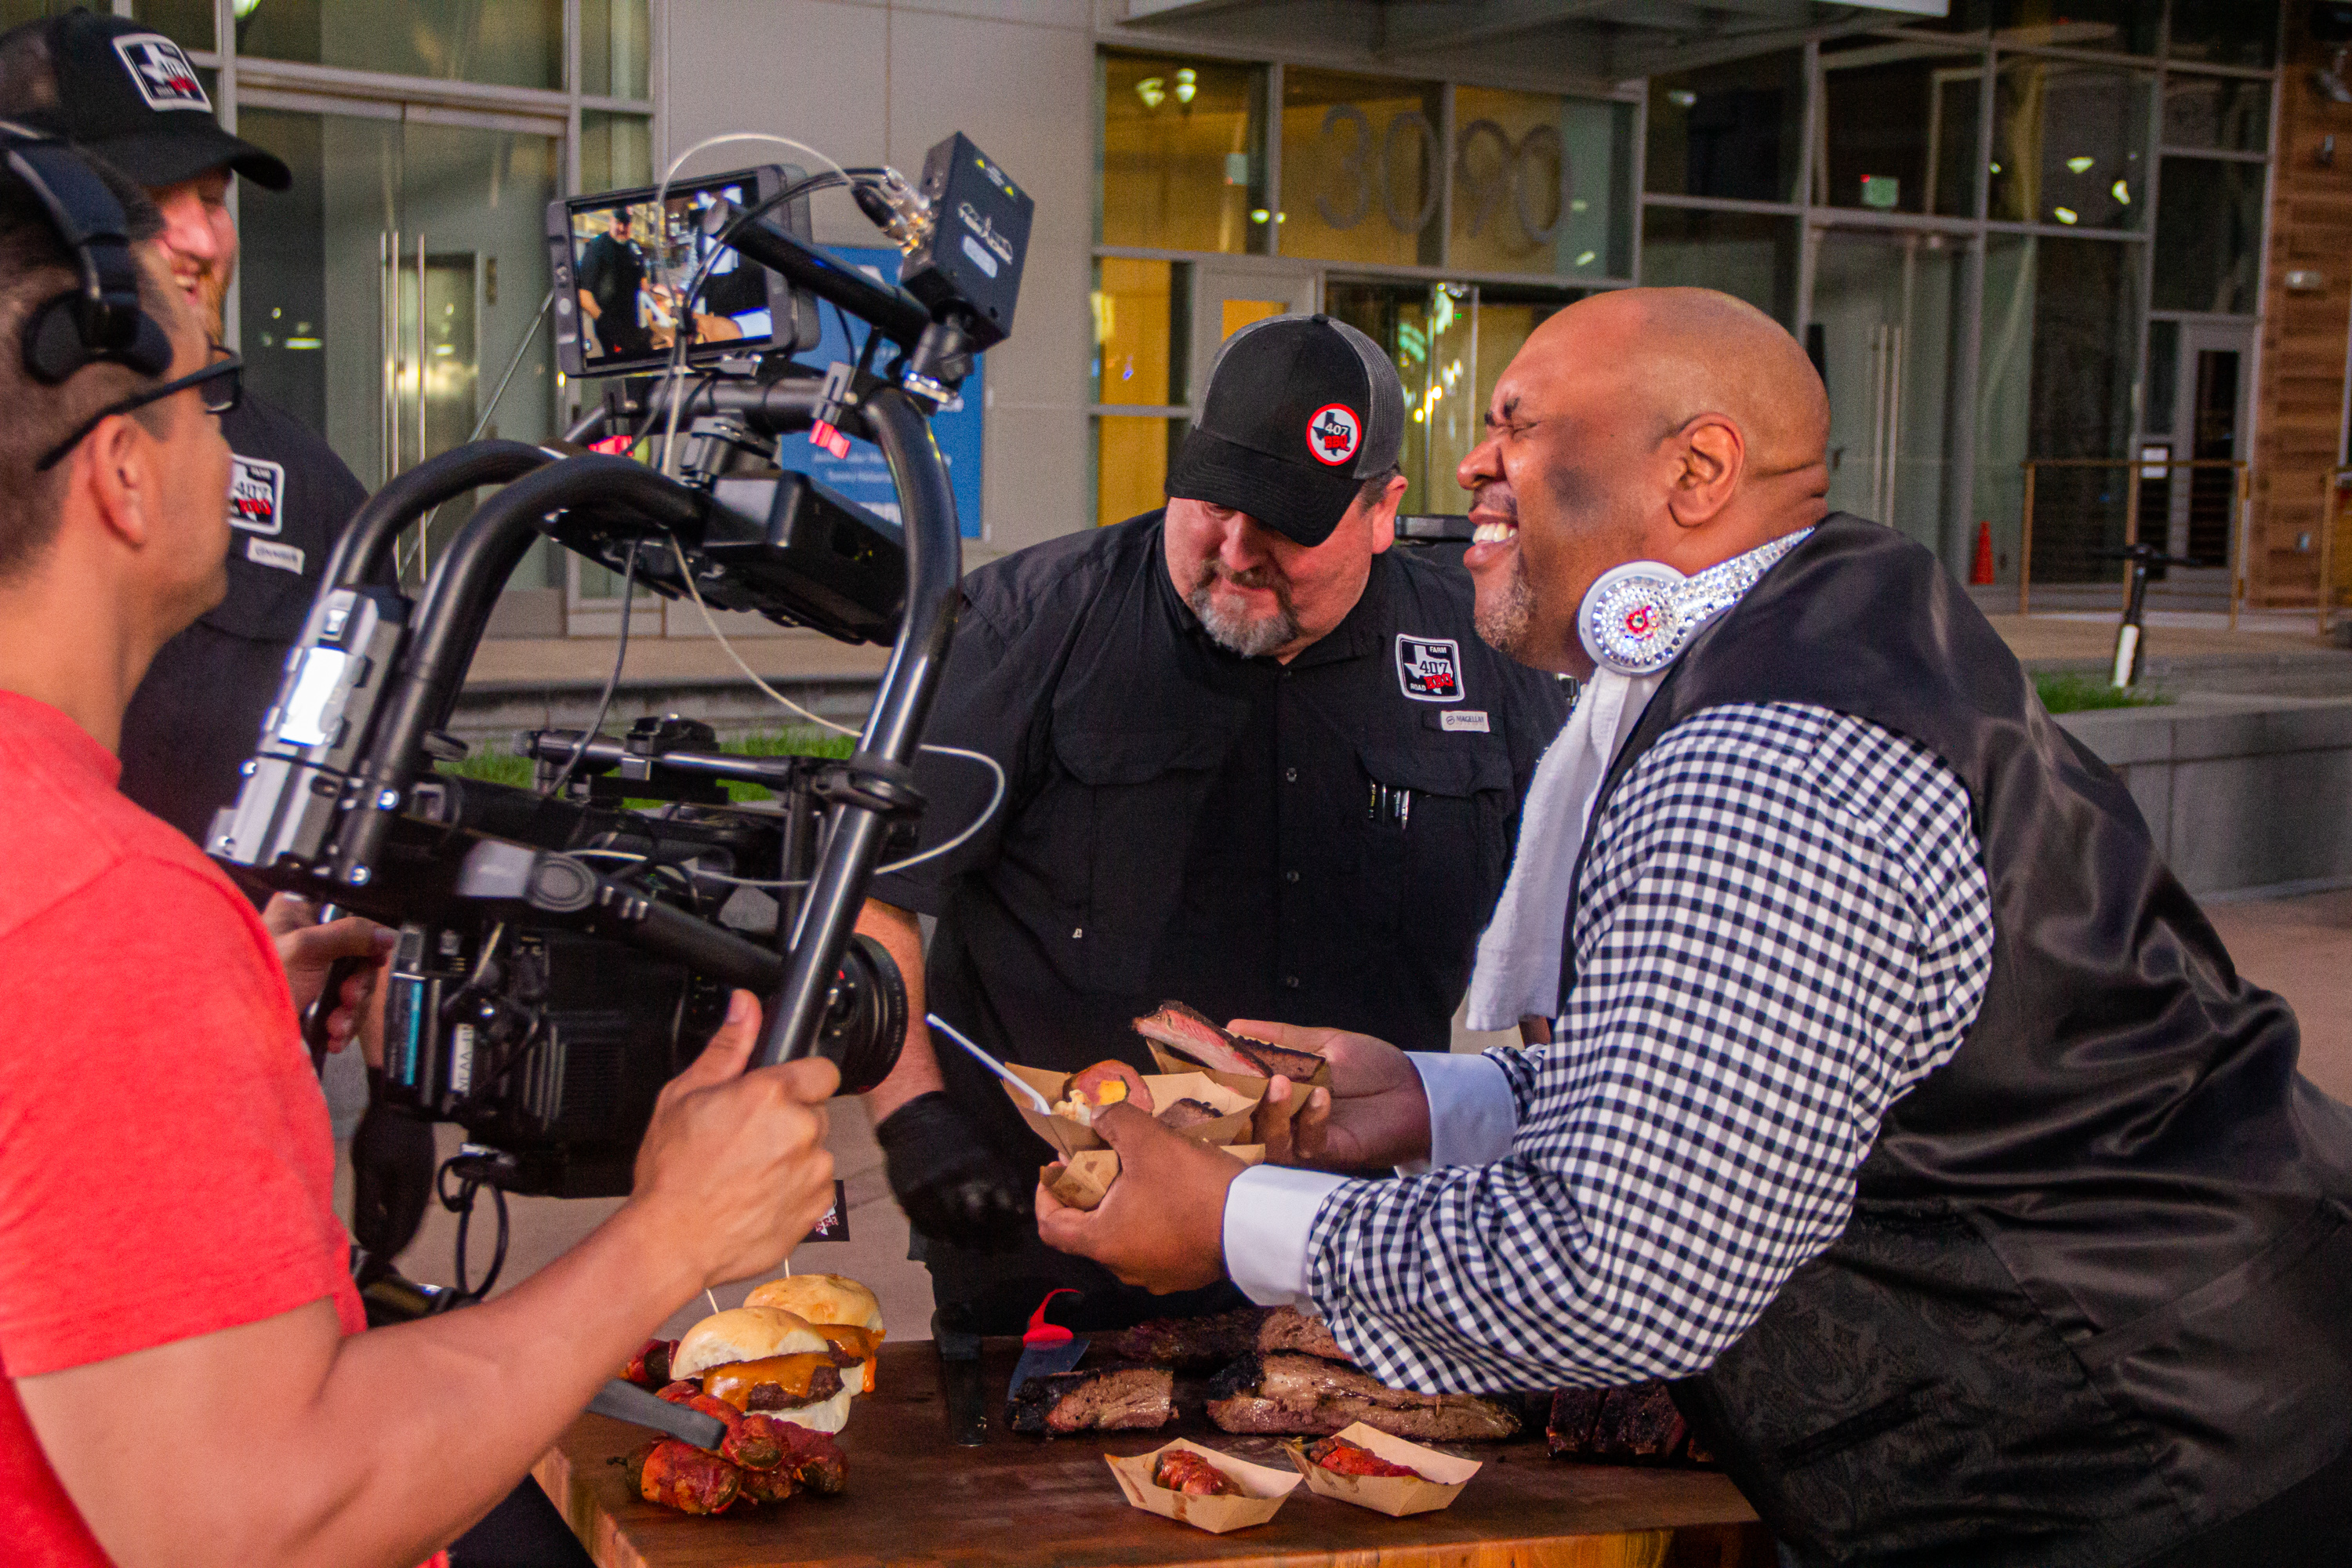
column 1301, row 411
column 130, row 95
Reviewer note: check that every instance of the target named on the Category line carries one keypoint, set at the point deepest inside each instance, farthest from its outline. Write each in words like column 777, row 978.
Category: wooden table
column 915, row 1498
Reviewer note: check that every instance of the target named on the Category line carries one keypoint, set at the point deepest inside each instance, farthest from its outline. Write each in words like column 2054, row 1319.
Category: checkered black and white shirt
column 1782, row 926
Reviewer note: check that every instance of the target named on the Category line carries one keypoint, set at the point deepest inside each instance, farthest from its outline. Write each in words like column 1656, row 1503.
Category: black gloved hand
column 951, row 1183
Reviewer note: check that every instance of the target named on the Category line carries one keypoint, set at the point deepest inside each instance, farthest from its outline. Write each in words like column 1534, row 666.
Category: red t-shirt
column 165, row 1164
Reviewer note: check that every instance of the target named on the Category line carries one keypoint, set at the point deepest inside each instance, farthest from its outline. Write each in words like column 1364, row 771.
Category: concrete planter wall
column 2244, row 794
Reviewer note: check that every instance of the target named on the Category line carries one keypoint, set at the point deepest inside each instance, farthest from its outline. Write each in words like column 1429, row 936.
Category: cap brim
column 1298, row 502
column 158, row 157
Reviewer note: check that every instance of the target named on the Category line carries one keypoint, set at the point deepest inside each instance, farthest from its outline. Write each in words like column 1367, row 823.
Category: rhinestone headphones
column 1637, row 618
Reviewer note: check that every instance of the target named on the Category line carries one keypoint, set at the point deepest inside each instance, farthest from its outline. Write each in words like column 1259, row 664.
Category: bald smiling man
column 1904, row 1109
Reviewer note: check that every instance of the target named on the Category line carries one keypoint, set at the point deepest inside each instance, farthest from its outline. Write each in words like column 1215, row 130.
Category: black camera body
column 521, row 1016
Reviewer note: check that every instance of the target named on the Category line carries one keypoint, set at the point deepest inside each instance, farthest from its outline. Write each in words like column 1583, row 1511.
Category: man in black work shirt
column 611, row 272
column 130, row 96
column 1254, row 764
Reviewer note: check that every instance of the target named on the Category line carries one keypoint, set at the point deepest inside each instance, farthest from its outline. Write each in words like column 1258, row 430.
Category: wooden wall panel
column 2299, row 394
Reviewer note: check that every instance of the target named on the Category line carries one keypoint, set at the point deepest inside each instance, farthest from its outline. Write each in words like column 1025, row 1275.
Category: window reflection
column 2209, row 236
column 1131, row 458
column 1140, row 327
column 2055, row 380
column 2225, row 32
column 1449, row 343
column 616, row 44
column 1362, row 169
column 2226, row 114
column 515, row 43
column 1732, row 131
column 1539, row 184
column 1899, row 130
column 2122, row 26
column 1183, row 154
column 187, row 23
column 2066, row 145
column 1752, row 255
column 615, row 150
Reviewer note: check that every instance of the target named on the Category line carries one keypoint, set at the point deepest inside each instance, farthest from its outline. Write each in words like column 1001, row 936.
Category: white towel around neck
column 1518, row 957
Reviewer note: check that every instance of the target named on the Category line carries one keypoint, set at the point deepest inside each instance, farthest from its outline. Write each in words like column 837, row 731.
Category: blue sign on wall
column 863, row 475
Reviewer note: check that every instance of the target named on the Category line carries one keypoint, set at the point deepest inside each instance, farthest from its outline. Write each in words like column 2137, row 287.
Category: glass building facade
column 383, row 297
column 2017, row 233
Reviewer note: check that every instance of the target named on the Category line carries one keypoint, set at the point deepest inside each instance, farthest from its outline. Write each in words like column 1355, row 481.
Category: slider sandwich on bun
column 767, row 1359
column 842, row 1310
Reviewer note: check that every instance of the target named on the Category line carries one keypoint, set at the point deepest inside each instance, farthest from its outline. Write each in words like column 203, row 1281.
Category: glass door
column 1884, row 313
column 2210, row 389
column 1227, row 299
column 384, row 296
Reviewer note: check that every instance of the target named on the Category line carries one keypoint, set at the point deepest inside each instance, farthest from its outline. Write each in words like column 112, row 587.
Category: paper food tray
column 1083, row 1180
column 1264, row 1487
column 1069, row 1137
column 1395, row 1496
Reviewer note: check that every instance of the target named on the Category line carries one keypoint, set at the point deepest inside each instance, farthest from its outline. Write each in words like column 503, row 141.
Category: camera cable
column 998, row 785
column 612, row 682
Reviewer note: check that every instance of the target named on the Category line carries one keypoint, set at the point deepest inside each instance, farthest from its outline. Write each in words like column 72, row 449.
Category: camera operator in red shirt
column 187, row 1382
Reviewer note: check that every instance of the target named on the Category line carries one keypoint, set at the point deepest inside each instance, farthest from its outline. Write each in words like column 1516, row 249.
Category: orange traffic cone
column 1981, row 572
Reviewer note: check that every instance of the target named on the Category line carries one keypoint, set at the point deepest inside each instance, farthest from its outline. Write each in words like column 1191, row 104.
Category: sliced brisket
column 1096, row 1399
column 1300, row 1395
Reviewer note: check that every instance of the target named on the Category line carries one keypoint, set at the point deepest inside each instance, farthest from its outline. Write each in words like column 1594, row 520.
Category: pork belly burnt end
column 1636, row 1424
column 1296, row 1395
column 1101, row 1399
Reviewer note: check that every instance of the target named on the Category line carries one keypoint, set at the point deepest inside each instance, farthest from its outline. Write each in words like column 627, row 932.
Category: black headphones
column 99, row 321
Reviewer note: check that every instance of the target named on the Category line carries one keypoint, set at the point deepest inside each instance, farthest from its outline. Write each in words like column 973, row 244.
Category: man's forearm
column 408, row 1434
column 917, row 1071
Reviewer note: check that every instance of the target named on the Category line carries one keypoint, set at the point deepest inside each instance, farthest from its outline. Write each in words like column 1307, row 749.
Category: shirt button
column 1290, row 775
column 1290, row 981
column 1290, row 876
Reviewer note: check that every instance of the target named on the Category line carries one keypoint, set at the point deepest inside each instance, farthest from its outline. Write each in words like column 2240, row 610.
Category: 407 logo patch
column 256, row 494
column 1333, row 434
column 1429, row 669
column 161, row 73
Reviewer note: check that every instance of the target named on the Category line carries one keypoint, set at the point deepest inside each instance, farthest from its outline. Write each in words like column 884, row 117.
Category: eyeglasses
column 220, row 383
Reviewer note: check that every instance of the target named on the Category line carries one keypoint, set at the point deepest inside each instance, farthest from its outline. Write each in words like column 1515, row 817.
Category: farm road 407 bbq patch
column 256, row 494
column 1429, row 669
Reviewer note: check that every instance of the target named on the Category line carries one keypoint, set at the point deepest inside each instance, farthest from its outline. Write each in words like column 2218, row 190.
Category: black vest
column 2096, row 1293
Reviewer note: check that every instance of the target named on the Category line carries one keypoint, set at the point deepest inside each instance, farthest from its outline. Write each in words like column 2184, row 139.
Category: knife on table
column 627, row 1402
column 1047, row 1348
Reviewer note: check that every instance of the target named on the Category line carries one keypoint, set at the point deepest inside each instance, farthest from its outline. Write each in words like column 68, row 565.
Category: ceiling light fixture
column 1152, row 91
column 1188, row 83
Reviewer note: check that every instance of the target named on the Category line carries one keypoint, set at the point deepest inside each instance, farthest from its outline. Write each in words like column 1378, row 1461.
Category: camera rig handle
column 893, row 729
column 365, row 547
column 447, row 626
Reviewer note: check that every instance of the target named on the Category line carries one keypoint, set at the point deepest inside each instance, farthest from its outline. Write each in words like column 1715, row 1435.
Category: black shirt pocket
column 1436, row 818
column 1132, row 799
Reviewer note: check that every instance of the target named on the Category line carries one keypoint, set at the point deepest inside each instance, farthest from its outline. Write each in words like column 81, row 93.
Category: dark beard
column 1508, row 627
column 1249, row 637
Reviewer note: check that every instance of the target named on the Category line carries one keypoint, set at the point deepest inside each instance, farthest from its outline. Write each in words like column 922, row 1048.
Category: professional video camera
column 564, row 949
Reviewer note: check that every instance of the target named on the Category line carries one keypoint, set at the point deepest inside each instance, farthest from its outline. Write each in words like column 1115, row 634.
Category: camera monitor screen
column 621, row 260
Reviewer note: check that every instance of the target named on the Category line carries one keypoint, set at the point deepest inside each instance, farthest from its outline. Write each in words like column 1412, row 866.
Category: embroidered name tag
column 285, row 557
column 1470, row 719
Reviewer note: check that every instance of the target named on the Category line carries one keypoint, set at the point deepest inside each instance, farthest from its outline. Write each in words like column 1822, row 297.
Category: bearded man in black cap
column 1255, row 762
column 128, row 94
